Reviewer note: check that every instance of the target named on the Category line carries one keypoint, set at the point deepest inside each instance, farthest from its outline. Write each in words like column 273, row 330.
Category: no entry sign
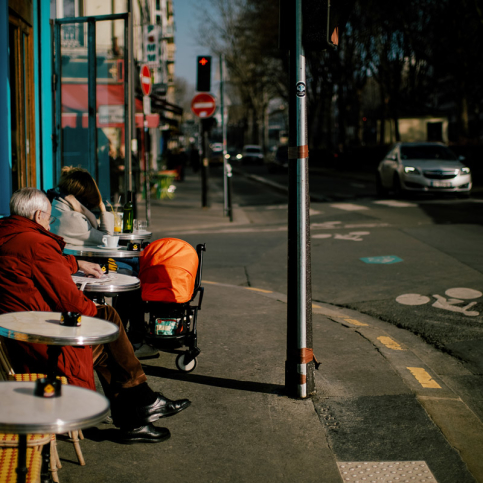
column 203, row 105
column 146, row 80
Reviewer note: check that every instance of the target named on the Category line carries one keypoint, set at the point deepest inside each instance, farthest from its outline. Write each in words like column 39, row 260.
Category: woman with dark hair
column 76, row 194
column 72, row 201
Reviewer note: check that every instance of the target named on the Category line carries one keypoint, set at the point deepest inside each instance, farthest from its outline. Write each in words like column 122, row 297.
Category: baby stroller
column 170, row 274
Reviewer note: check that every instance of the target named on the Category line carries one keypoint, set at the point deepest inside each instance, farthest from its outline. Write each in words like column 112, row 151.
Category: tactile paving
column 386, row 472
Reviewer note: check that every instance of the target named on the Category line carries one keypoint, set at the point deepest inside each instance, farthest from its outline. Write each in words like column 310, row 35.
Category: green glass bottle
column 127, row 218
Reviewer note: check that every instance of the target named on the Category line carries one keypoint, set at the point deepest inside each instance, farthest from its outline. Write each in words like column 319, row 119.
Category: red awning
column 75, row 97
column 75, row 100
column 70, row 119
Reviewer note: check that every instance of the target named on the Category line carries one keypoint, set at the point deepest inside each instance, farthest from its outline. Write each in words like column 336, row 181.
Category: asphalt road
column 417, row 263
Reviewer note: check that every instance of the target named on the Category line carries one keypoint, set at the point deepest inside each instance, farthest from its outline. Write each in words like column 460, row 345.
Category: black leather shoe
column 161, row 408
column 144, row 434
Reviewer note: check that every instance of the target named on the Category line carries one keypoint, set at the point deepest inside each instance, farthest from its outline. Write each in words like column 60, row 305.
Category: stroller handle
column 200, row 248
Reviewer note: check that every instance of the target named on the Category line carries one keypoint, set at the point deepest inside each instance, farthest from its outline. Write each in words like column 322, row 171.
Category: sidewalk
column 240, row 426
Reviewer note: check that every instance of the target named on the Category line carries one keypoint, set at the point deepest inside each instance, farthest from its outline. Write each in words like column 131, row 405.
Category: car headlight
column 227, row 156
column 239, row 156
column 411, row 170
column 465, row 170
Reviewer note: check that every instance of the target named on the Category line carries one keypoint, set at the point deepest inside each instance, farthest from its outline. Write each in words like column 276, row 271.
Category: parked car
column 423, row 167
column 252, row 154
column 279, row 160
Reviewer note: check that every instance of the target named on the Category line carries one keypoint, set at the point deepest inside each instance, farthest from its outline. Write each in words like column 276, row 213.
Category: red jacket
column 34, row 275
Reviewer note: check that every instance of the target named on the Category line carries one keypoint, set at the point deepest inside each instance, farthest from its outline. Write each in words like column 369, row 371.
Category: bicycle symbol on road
column 455, row 297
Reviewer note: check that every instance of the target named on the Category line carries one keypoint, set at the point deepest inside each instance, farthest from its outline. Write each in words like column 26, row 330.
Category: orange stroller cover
column 168, row 270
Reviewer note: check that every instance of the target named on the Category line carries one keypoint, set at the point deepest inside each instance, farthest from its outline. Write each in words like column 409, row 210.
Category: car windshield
column 253, row 150
column 427, row 152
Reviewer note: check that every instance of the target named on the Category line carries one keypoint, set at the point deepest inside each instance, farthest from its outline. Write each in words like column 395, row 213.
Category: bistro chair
column 8, row 463
column 8, row 374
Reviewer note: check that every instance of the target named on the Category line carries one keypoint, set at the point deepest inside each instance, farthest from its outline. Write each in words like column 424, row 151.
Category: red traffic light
column 203, row 81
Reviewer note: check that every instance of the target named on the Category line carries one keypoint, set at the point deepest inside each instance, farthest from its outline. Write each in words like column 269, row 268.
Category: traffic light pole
column 299, row 365
column 204, row 164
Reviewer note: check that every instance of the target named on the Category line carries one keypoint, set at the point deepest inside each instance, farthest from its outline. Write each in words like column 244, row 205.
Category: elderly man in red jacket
column 35, row 275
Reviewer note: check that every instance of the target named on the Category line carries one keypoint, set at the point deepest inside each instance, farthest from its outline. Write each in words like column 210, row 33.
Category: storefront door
column 92, row 107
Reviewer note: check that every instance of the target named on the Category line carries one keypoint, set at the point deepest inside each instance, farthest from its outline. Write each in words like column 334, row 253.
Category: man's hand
column 90, row 268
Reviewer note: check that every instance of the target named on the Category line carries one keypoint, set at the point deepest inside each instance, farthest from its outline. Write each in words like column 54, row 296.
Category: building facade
column 70, row 92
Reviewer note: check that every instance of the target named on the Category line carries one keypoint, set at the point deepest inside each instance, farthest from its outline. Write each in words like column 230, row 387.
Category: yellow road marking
column 316, row 306
column 258, row 290
column 390, row 343
column 214, row 283
column 424, row 378
column 356, row 322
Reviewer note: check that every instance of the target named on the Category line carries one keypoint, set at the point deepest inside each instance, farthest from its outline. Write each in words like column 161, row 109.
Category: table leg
column 53, row 353
column 22, row 469
column 45, row 471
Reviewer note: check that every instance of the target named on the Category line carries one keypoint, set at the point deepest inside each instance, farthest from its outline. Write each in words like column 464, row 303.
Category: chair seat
column 32, row 377
column 8, row 440
column 8, row 464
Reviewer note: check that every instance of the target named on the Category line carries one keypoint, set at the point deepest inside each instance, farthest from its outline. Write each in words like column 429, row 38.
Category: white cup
column 110, row 241
column 142, row 225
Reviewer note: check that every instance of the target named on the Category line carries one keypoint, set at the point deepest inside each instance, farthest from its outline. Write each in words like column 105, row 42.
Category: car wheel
column 380, row 190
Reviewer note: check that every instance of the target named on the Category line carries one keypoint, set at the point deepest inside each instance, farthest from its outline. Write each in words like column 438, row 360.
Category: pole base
column 297, row 385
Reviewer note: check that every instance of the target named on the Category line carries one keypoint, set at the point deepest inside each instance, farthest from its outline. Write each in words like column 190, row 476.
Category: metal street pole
column 299, row 366
column 147, row 183
column 204, row 164
column 222, row 107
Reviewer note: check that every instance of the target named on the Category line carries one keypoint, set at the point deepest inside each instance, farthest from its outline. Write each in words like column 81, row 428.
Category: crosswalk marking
column 395, row 203
column 348, row 207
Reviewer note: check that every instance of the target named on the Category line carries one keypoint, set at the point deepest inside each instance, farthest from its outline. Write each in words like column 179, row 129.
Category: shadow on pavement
column 215, row 381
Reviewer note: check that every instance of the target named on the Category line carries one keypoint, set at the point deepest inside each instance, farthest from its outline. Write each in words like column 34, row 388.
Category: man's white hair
column 26, row 201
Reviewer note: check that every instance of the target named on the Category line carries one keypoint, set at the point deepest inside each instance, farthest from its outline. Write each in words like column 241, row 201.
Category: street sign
column 151, row 45
column 203, row 105
column 146, row 82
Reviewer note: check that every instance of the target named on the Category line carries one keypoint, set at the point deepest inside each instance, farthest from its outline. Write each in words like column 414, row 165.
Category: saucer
column 111, row 248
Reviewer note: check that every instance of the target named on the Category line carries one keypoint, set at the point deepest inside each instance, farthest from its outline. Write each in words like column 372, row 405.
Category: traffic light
column 203, row 80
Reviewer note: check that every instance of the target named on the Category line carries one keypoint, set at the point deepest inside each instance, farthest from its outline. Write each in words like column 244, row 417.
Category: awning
column 71, row 119
column 108, row 97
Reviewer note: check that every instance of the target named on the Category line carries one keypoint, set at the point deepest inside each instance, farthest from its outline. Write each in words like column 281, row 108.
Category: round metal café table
column 23, row 412
column 140, row 235
column 45, row 328
column 96, row 252
column 112, row 283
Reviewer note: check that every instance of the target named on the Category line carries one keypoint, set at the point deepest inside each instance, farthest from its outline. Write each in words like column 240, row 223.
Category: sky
column 186, row 18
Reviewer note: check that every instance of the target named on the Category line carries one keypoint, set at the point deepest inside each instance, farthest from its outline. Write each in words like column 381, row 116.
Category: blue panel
column 46, row 96
column 5, row 129
column 385, row 259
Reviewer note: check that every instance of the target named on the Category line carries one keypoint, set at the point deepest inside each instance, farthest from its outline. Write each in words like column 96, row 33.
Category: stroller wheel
column 180, row 363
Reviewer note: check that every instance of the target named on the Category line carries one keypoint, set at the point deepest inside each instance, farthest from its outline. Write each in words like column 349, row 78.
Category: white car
column 423, row 167
column 252, row 154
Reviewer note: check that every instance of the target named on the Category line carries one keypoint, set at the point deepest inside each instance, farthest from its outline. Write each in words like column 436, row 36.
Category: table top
column 112, row 282
column 45, row 328
column 136, row 235
column 22, row 412
column 96, row 252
